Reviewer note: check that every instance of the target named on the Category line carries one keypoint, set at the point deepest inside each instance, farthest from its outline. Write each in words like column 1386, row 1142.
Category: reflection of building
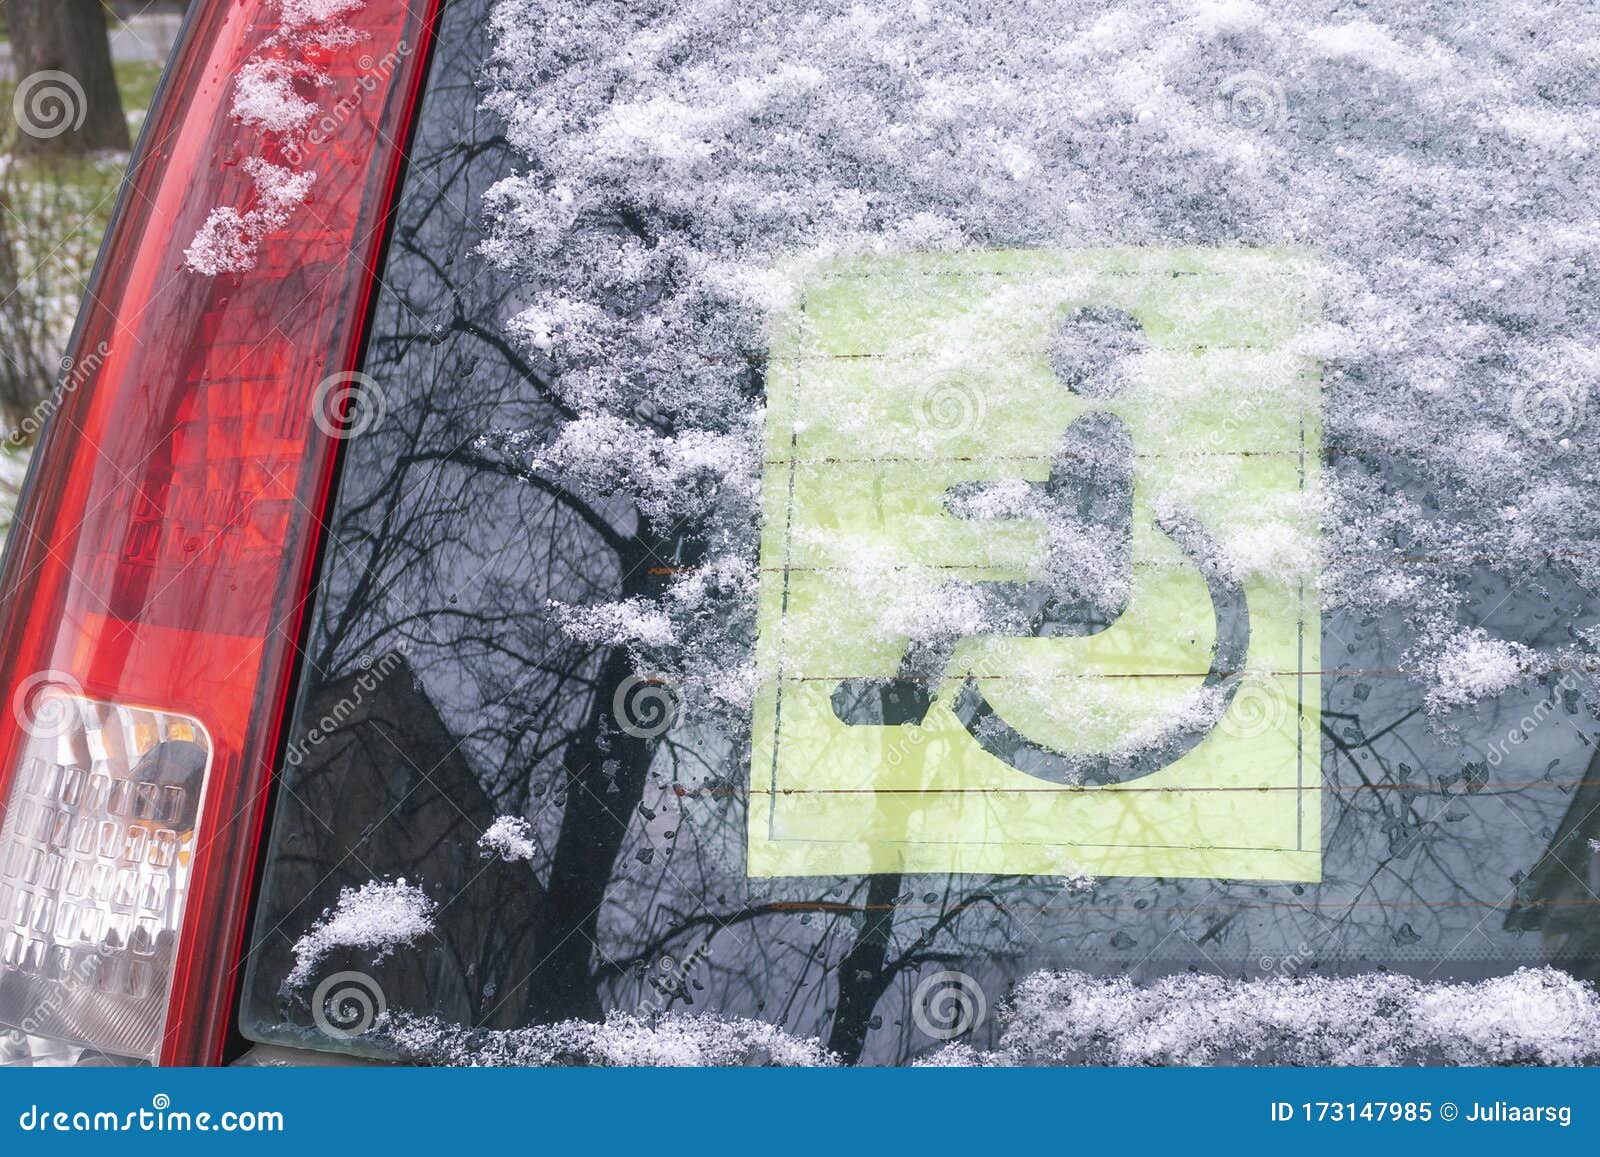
column 377, row 788
column 1560, row 898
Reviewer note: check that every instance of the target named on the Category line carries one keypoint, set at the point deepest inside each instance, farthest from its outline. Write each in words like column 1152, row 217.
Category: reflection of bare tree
column 448, row 549
column 592, row 832
column 1559, row 896
column 345, row 778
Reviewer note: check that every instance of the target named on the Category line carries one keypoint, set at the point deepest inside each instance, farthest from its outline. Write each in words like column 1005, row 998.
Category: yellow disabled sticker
column 1039, row 537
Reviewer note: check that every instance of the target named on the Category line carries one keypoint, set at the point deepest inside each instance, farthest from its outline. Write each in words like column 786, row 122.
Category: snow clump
column 377, row 917
column 1536, row 1016
column 510, row 838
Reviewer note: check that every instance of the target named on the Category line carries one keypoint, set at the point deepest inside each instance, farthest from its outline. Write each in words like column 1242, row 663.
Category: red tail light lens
column 155, row 580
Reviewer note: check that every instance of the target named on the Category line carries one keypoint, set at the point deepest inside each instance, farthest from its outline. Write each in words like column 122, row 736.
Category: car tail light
column 155, row 579
column 95, row 856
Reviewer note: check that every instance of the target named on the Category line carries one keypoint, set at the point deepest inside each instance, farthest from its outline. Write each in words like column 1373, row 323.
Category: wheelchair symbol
column 1090, row 480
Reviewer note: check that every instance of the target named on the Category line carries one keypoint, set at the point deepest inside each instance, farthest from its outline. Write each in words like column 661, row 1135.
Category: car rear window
column 839, row 509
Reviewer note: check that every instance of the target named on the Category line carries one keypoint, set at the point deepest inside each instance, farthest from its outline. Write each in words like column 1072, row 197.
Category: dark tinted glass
column 439, row 695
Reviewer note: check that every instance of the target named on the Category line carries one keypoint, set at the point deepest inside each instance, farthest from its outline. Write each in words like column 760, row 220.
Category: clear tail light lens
column 95, row 857
column 163, row 552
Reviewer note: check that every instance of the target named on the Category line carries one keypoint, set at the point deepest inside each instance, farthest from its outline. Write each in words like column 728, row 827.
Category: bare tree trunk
column 606, row 772
column 55, row 114
column 25, row 376
column 864, row 974
column 605, row 784
column 15, row 388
